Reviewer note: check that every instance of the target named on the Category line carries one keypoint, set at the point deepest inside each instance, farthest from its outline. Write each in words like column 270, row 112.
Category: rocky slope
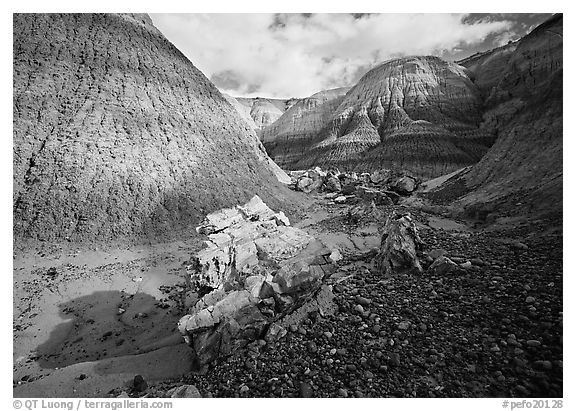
column 420, row 114
column 522, row 172
column 259, row 113
column 117, row 134
column 289, row 138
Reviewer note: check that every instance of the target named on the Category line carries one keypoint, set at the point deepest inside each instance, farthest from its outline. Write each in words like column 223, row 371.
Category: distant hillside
column 258, row 112
column 420, row 114
column 289, row 138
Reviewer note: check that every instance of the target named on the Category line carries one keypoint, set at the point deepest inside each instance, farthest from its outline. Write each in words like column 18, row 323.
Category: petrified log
column 399, row 245
column 259, row 269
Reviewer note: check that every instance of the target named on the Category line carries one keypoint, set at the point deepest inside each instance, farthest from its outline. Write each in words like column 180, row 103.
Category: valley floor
column 88, row 326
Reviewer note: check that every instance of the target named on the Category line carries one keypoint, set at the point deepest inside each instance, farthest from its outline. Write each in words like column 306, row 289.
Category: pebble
column 369, row 375
column 404, row 325
column 362, row 300
column 466, row 265
column 358, row 308
column 546, row 365
column 305, row 390
column 311, row 346
column 437, row 252
column 328, row 334
column 333, row 351
column 342, row 392
column 530, row 300
column 533, row 343
column 395, row 359
column 522, row 390
column 520, row 246
column 139, row 384
column 244, row 389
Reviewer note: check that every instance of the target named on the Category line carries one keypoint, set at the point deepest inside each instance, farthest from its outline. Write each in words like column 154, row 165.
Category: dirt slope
column 522, row 172
column 118, row 135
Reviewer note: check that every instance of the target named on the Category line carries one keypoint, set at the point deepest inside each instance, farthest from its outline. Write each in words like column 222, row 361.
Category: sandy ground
column 87, row 321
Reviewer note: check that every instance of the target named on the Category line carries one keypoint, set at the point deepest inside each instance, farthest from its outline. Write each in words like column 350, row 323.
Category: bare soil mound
column 117, row 134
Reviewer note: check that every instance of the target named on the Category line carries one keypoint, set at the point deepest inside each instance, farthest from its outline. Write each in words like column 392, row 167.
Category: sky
column 296, row 55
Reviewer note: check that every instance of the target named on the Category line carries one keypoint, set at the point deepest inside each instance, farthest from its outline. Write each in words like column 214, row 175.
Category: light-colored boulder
column 404, row 185
column 184, row 391
column 443, row 265
column 275, row 333
column 379, row 176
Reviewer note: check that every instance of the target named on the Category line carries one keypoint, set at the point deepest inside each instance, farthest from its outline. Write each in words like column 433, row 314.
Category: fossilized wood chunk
column 399, row 245
column 443, row 265
column 219, row 329
column 260, row 270
column 404, row 185
column 235, row 238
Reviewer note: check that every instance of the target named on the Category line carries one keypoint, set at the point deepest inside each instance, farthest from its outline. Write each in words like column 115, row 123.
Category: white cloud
column 505, row 38
column 302, row 55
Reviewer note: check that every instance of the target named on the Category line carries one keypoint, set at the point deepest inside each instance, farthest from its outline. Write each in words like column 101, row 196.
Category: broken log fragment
column 399, row 245
column 257, row 269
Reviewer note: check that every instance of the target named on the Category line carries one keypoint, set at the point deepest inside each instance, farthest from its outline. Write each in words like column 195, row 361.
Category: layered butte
column 117, row 134
column 419, row 114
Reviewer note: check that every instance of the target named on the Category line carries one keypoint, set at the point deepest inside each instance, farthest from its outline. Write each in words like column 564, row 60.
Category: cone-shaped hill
column 117, row 134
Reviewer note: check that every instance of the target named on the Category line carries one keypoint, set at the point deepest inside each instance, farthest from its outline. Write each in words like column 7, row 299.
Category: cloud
column 505, row 38
column 296, row 55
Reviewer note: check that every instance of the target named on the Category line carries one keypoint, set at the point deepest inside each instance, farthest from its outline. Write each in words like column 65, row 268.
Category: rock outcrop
column 522, row 172
column 420, row 114
column 259, row 269
column 289, row 137
column 117, row 134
